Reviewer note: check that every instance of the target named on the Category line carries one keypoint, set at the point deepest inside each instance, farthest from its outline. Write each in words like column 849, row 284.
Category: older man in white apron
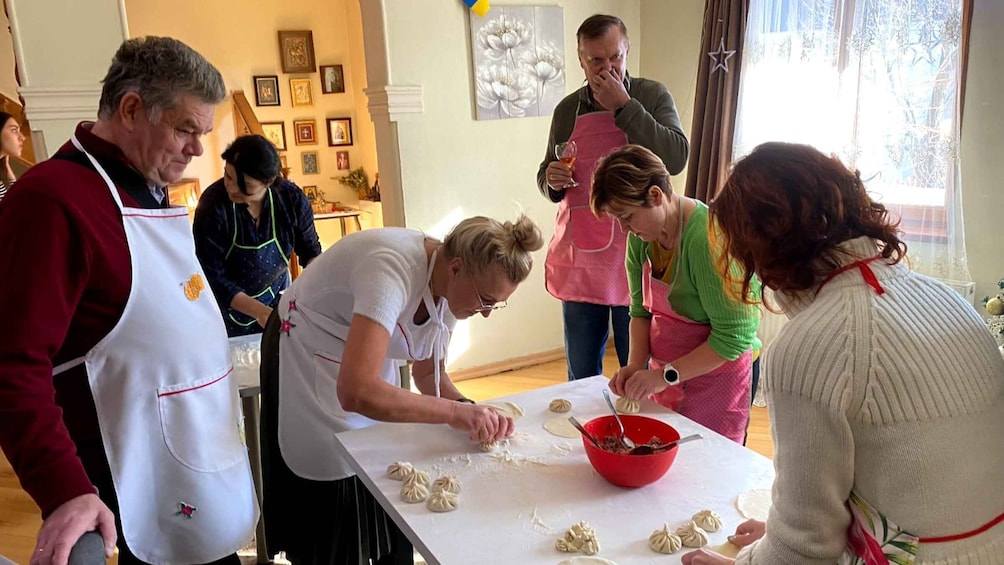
column 117, row 401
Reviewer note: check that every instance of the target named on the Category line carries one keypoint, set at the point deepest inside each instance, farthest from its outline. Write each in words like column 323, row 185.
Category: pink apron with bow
column 718, row 400
column 585, row 258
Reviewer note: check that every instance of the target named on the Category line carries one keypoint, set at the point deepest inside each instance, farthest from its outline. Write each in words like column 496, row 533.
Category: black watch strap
column 465, row 400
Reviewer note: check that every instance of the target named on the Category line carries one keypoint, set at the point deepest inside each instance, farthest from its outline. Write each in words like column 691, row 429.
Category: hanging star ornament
column 285, row 326
column 720, row 58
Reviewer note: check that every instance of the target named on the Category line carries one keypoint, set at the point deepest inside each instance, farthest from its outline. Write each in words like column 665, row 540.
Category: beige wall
column 670, row 54
column 242, row 42
column 453, row 166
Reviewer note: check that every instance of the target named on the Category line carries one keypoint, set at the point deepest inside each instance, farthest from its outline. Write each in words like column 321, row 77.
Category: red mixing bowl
column 630, row 470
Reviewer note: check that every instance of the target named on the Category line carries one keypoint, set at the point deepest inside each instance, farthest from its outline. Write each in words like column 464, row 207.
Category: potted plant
column 358, row 180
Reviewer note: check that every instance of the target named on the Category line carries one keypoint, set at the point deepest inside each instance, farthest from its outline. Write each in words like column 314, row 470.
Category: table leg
column 250, row 406
column 341, row 221
column 359, row 226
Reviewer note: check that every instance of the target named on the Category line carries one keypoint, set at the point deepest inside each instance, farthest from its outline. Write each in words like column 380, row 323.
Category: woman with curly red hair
column 880, row 386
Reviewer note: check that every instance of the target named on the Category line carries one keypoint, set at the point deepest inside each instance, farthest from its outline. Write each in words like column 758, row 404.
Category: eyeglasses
column 486, row 307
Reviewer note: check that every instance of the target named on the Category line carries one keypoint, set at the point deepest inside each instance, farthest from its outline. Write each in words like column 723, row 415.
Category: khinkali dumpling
column 691, row 535
column 442, row 501
column 664, row 541
column 417, row 476
column 448, row 483
column 580, row 537
column 708, row 520
column 488, row 446
column 399, row 470
column 627, row 406
column 560, row 405
column 414, row 492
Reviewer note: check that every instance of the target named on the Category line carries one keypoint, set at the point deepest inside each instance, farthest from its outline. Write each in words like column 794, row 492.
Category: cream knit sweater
column 899, row 396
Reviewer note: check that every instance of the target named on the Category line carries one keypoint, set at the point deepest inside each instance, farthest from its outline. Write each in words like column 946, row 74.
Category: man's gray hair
column 159, row 69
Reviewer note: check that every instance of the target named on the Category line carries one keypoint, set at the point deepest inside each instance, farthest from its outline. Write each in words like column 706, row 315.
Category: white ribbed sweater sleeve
column 810, row 365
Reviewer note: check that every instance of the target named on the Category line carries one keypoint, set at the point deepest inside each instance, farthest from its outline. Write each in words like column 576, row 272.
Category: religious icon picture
column 306, row 132
column 296, row 51
column 309, row 161
column 343, row 160
column 266, row 90
column 339, row 132
column 276, row 133
column 332, row 79
column 302, row 93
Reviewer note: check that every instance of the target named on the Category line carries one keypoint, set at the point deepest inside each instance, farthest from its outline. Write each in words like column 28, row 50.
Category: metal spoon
column 582, row 429
column 624, row 439
column 648, row 449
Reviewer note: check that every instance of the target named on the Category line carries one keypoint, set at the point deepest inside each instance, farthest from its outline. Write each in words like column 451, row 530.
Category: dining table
column 518, row 500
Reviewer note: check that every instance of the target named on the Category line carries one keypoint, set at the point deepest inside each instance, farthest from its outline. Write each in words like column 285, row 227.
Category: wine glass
column 566, row 152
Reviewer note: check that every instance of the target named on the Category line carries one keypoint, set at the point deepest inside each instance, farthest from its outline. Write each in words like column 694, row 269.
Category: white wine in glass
column 566, row 152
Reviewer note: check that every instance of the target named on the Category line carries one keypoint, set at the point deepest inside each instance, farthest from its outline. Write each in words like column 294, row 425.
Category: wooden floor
column 19, row 518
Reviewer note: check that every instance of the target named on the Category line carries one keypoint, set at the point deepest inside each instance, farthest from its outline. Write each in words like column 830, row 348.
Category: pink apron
column 585, row 259
column 873, row 539
column 719, row 400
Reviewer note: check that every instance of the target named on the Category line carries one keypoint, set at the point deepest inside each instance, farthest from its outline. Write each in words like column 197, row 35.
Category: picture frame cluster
column 297, row 57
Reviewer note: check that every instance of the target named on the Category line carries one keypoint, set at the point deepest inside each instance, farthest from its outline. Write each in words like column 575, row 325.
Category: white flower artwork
column 519, row 61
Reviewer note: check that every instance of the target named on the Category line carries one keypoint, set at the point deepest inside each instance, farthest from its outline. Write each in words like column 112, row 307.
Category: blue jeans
column 587, row 327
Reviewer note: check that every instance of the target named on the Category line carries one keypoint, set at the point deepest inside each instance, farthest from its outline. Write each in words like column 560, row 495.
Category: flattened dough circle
column 561, row 427
column 754, row 504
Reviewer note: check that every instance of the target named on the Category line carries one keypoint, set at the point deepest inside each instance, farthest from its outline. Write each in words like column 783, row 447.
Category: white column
column 63, row 49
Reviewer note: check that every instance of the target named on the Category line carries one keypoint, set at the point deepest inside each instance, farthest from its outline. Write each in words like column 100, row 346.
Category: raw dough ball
column 448, row 483
column 754, row 504
column 488, row 446
column 580, row 537
column 399, row 470
column 417, row 476
column 415, row 492
column 442, row 501
column 506, row 408
column 561, row 427
column 664, row 541
column 726, row 549
column 691, row 535
column 560, row 405
column 579, row 560
column 627, row 406
column 708, row 520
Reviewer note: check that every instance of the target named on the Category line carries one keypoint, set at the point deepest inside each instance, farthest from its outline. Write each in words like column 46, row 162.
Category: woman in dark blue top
column 246, row 226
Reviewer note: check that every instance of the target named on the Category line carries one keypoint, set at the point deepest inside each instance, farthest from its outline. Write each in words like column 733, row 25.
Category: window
column 874, row 81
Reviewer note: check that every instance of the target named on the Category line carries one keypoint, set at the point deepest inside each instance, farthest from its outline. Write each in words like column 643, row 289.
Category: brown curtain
column 717, row 98
column 967, row 24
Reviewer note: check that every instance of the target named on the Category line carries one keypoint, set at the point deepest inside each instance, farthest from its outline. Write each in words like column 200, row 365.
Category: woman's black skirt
column 317, row 522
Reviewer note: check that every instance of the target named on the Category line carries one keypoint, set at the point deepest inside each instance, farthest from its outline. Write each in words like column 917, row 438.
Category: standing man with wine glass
column 585, row 259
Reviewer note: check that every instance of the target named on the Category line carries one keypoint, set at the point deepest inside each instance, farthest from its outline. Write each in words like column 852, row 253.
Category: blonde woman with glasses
column 330, row 357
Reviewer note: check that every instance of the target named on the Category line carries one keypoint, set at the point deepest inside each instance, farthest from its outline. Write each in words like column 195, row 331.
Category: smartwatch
column 671, row 375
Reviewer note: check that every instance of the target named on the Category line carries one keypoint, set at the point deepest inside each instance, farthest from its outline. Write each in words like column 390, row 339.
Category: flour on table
column 561, row 427
column 539, row 524
column 754, row 504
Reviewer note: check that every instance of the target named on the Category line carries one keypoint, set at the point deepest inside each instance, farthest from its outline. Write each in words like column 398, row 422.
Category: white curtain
column 875, row 82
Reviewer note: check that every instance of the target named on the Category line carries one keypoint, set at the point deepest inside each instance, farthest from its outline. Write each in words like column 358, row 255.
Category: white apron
column 312, row 345
column 168, row 413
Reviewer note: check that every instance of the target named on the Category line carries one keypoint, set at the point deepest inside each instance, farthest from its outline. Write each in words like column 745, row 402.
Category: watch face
column 671, row 375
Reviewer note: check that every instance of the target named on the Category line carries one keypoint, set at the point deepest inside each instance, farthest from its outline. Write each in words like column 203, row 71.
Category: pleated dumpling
column 559, row 405
column 627, row 406
column 489, row 446
column 399, row 470
column 443, row 501
column 691, row 535
column 708, row 520
column 664, row 540
column 414, row 492
column 448, row 483
column 417, row 476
